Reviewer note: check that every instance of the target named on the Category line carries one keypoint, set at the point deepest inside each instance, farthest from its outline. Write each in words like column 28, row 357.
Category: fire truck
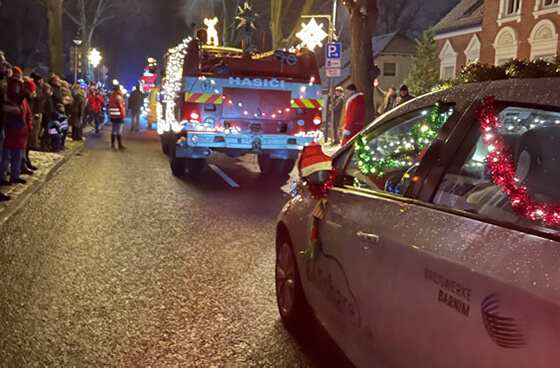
column 236, row 103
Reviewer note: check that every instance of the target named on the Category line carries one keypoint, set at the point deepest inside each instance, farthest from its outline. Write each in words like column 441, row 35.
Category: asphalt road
column 116, row 262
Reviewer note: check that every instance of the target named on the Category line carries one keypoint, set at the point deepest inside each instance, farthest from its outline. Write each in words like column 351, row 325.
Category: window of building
column 510, row 10
column 389, row 69
column 448, row 61
column 544, row 40
column 546, row 7
column 505, row 45
column 512, row 7
column 472, row 51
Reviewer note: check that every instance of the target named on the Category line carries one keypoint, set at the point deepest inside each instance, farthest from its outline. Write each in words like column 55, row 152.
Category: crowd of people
column 36, row 113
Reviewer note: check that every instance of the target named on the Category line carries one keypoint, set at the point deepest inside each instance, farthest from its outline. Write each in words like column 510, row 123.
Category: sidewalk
column 47, row 163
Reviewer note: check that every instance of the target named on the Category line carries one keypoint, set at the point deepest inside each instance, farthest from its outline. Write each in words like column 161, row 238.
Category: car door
column 473, row 282
column 362, row 218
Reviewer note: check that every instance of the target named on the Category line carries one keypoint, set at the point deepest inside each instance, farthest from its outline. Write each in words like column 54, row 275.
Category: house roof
column 391, row 43
column 466, row 14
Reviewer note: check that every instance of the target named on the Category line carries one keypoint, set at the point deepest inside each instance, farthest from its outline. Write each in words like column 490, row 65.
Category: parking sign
column 333, row 50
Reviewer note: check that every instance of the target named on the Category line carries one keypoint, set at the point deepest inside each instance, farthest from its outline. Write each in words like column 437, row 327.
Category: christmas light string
column 420, row 136
column 502, row 168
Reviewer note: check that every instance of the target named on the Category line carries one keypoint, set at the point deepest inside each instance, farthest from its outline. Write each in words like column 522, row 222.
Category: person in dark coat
column 135, row 103
column 17, row 129
column 37, row 109
column 48, row 109
column 404, row 96
column 30, row 96
column 4, row 68
column 338, row 107
column 77, row 113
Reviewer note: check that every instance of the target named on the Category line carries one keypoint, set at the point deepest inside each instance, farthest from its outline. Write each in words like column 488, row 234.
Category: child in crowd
column 63, row 120
column 54, row 131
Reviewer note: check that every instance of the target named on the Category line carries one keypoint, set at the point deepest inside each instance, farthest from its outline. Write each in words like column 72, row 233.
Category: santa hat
column 30, row 86
column 312, row 159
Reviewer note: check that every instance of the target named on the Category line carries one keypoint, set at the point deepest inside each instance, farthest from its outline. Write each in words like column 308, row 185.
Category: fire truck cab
column 235, row 102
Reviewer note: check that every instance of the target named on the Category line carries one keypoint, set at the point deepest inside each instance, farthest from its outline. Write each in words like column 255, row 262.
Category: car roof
column 539, row 91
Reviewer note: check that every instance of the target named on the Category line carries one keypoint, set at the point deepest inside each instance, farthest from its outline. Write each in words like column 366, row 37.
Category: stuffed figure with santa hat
column 315, row 167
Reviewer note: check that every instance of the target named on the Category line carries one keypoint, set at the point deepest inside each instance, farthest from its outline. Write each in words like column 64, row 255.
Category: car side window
column 386, row 158
column 524, row 190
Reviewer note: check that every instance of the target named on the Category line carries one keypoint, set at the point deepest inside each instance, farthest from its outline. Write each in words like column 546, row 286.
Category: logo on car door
column 504, row 330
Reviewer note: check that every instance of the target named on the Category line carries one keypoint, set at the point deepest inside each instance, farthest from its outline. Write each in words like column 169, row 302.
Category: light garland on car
column 420, row 136
column 502, row 168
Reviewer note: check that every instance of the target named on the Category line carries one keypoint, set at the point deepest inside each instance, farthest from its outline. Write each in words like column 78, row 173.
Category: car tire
column 284, row 167
column 178, row 164
column 290, row 298
column 165, row 144
column 266, row 164
column 195, row 165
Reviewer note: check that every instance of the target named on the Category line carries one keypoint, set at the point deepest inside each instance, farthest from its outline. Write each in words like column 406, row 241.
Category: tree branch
column 71, row 17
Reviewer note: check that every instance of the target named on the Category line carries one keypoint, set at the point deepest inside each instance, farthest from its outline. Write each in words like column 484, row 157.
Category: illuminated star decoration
column 94, row 57
column 312, row 34
column 246, row 17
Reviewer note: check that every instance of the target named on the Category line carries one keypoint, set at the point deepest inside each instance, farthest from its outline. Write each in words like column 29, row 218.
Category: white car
column 440, row 245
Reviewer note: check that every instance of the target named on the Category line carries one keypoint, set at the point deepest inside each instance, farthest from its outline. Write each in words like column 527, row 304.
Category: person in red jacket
column 18, row 127
column 95, row 104
column 117, row 114
column 355, row 113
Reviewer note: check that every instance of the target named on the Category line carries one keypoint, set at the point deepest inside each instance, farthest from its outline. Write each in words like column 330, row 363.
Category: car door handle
column 370, row 238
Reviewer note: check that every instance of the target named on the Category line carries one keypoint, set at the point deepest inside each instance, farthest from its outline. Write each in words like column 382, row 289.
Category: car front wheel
column 290, row 297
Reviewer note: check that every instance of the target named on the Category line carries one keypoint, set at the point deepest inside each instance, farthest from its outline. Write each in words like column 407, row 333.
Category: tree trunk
column 362, row 66
column 56, row 52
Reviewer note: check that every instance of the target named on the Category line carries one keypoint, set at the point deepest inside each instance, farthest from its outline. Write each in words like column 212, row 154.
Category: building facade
column 494, row 31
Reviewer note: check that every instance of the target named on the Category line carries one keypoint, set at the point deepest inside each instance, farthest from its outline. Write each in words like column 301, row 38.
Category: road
column 116, row 262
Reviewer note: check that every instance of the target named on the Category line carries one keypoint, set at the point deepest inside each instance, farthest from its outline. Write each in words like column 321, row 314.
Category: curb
column 13, row 207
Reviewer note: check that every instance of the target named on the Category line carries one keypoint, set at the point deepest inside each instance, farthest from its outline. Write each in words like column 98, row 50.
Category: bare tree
column 56, row 52
column 363, row 17
column 279, row 10
column 89, row 15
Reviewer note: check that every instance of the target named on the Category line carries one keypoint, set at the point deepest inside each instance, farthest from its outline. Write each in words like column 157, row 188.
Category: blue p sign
column 334, row 51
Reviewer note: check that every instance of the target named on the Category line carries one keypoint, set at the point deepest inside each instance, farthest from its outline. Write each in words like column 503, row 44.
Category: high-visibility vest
column 116, row 109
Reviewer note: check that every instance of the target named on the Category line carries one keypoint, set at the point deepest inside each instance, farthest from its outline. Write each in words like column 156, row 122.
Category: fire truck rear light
column 317, row 121
column 194, row 116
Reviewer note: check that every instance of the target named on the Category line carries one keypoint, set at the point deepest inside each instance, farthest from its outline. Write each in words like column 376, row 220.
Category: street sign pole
column 330, row 111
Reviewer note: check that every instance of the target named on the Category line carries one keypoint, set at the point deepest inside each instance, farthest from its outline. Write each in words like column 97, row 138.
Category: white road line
column 224, row 176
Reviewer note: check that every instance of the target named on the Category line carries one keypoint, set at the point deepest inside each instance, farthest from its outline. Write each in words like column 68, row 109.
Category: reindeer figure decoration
column 212, row 32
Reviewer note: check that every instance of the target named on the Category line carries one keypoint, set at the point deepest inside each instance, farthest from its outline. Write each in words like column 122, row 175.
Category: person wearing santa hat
column 355, row 113
column 18, row 127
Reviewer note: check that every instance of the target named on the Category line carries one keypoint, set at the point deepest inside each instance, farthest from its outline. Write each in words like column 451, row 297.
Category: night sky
column 126, row 43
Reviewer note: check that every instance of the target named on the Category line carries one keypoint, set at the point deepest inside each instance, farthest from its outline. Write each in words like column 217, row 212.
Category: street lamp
column 78, row 42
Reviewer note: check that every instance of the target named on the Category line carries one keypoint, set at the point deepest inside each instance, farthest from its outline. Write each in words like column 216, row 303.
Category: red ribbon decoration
column 502, row 168
column 319, row 191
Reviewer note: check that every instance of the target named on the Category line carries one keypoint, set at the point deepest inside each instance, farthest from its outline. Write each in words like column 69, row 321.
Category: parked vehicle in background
column 440, row 241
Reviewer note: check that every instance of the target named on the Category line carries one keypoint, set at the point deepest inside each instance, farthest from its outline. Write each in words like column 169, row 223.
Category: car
column 439, row 244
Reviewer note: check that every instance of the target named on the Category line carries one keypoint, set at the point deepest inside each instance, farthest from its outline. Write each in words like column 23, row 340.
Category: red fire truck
column 236, row 103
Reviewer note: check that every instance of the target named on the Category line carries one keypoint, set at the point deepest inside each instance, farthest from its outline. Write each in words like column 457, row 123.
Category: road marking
column 224, row 176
